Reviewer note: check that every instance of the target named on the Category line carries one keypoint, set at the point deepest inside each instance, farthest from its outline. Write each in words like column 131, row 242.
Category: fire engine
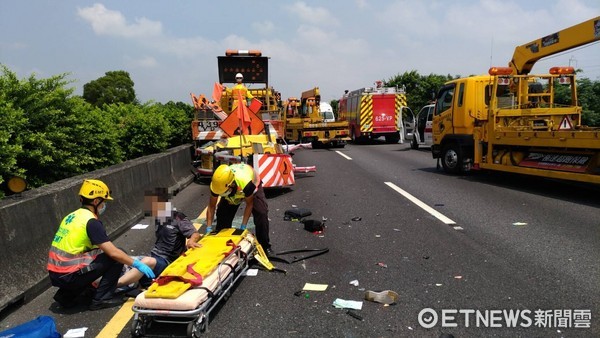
column 373, row 112
column 510, row 120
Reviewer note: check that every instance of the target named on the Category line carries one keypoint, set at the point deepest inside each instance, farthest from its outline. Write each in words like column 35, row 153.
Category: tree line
column 47, row 133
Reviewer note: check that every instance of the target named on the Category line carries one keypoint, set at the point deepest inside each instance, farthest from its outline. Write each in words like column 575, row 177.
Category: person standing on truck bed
column 81, row 252
column 239, row 87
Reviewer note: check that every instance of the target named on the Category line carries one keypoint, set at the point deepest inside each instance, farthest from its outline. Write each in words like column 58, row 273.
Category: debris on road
column 347, row 304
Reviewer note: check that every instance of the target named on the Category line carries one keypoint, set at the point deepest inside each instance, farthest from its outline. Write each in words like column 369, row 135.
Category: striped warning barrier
column 275, row 170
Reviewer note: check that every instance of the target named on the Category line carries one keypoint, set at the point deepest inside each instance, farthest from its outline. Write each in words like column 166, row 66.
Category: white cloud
column 144, row 62
column 109, row 22
column 264, row 27
column 312, row 15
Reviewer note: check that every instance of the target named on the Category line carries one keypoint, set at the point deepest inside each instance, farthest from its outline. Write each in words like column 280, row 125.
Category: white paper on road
column 75, row 333
column 140, row 226
column 347, row 304
column 314, row 287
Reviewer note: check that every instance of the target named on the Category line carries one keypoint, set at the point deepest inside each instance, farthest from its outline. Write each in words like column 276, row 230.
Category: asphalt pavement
column 508, row 245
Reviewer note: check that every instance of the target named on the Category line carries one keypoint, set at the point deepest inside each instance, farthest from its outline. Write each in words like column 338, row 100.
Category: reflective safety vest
column 71, row 247
column 243, row 174
column 240, row 88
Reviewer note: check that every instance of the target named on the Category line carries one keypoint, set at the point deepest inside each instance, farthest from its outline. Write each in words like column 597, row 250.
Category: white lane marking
column 344, row 155
column 423, row 206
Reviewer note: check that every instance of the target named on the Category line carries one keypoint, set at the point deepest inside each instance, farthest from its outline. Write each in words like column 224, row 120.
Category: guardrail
column 28, row 221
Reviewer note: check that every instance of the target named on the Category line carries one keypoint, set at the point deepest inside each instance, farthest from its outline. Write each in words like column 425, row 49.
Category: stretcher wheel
column 138, row 328
column 194, row 328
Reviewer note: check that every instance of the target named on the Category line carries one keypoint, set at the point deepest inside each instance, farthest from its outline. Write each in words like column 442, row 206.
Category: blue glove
column 243, row 227
column 145, row 269
column 208, row 230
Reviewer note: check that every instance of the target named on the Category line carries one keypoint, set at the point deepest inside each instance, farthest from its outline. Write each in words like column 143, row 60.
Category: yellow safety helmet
column 91, row 189
column 221, row 179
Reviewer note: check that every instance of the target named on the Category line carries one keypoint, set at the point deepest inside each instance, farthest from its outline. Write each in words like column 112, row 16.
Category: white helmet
column 239, row 76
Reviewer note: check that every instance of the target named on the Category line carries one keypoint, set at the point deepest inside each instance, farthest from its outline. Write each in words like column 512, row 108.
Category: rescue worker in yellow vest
column 81, row 252
column 237, row 183
column 239, row 88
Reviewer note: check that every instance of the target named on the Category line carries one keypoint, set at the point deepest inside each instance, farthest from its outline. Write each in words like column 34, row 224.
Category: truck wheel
column 452, row 158
column 414, row 144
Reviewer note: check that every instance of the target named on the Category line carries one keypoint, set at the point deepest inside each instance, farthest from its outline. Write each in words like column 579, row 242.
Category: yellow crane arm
column 525, row 56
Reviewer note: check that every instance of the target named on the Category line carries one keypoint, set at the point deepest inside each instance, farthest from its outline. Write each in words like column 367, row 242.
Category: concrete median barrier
column 28, row 221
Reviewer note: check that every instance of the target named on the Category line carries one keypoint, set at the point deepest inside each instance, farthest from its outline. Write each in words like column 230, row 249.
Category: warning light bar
column 500, row 71
column 562, row 70
column 252, row 52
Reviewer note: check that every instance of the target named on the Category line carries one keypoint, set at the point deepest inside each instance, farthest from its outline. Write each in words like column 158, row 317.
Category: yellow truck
column 512, row 121
column 304, row 123
column 229, row 130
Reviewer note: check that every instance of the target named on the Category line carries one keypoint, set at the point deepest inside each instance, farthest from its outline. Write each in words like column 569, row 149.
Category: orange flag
column 217, row 92
column 242, row 113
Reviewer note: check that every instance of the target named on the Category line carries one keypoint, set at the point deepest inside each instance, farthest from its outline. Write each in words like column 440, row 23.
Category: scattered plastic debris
column 354, row 315
column 458, row 228
column 438, row 205
column 347, row 304
column 410, row 328
column 354, row 282
column 386, row 297
column 438, row 284
column 356, row 219
column 396, row 229
column 383, row 265
column 519, row 224
column 251, row 272
column 425, row 257
column 378, row 236
column 458, row 277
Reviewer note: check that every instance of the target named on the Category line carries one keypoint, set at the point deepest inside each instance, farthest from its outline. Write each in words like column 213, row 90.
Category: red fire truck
column 373, row 112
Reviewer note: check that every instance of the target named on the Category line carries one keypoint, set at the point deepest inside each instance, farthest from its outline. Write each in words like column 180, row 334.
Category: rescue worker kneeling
column 81, row 252
column 237, row 183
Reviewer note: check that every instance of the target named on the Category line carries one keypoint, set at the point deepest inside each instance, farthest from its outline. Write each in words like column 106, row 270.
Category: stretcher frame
column 196, row 319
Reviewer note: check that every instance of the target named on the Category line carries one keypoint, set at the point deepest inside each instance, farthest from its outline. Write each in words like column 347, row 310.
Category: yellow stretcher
column 190, row 287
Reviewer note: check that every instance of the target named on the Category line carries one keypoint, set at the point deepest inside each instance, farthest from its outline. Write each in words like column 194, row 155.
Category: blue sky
column 170, row 48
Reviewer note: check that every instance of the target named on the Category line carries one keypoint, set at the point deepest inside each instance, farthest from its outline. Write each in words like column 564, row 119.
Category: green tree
column 420, row 90
column 113, row 87
column 179, row 116
column 143, row 129
column 588, row 95
column 12, row 121
column 588, row 92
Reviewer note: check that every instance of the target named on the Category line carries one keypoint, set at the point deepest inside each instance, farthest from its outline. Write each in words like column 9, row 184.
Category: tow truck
column 303, row 122
column 512, row 121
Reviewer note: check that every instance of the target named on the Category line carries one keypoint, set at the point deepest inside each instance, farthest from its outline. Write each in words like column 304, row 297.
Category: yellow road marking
column 116, row 324
column 118, row 321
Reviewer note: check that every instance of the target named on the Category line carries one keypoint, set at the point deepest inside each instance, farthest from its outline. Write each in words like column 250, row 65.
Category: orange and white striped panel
column 275, row 170
column 211, row 135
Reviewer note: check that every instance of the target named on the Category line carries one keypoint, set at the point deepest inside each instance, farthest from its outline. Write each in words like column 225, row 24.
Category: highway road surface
column 486, row 254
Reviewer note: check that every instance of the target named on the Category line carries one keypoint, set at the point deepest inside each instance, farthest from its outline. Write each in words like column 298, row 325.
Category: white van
column 326, row 112
column 422, row 134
